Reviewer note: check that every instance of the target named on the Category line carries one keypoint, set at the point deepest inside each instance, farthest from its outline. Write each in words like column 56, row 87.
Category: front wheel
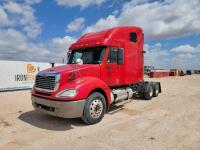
column 94, row 109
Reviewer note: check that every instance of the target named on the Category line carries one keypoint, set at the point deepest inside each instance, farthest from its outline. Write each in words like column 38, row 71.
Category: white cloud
column 20, row 14
column 159, row 19
column 182, row 61
column 82, row 3
column 59, row 47
column 186, row 49
column 185, row 55
column 3, row 17
column 153, row 54
column 33, row 29
column 14, row 45
column 76, row 25
column 163, row 59
column 102, row 23
column 115, row 12
column 11, row 40
column 13, row 7
column 63, row 43
column 30, row 2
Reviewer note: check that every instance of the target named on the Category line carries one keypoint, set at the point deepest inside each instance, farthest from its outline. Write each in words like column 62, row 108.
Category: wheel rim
column 151, row 91
column 96, row 108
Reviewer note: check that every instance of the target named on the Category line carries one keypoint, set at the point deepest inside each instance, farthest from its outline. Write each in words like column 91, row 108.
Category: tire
column 149, row 93
column 155, row 90
column 94, row 109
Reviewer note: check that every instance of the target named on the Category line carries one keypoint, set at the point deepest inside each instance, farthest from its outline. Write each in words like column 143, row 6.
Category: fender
column 85, row 86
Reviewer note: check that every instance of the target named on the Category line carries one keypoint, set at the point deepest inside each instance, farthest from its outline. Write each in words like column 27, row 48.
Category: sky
column 42, row 30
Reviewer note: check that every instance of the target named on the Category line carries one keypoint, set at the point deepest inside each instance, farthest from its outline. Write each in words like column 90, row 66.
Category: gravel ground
column 170, row 121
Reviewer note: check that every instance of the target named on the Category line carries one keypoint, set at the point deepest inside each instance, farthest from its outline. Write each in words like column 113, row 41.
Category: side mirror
column 120, row 56
column 68, row 54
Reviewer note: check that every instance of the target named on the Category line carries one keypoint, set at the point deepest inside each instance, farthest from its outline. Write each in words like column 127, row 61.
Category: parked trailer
column 104, row 68
column 18, row 75
column 159, row 73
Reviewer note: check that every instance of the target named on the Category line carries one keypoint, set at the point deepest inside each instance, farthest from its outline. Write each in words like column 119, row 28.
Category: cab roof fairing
column 102, row 38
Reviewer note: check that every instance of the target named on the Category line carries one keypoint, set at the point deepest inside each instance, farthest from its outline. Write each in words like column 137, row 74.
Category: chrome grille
column 47, row 81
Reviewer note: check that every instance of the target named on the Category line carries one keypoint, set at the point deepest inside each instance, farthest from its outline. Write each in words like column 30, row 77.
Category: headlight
column 67, row 93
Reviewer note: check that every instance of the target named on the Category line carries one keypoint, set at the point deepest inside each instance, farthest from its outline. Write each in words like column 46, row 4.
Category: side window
column 112, row 57
column 133, row 37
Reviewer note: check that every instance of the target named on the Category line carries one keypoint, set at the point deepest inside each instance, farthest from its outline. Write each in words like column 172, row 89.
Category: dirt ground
column 170, row 121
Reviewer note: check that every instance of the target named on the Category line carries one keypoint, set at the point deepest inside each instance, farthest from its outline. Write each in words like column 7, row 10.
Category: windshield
column 88, row 56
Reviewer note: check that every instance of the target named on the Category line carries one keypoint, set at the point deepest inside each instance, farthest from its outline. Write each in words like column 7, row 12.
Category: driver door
column 113, row 72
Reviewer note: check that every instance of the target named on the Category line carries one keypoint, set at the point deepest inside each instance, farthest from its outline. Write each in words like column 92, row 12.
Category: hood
column 80, row 70
column 70, row 68
column 60, row 69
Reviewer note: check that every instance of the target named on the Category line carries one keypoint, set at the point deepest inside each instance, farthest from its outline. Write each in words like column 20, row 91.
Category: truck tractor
column 103, row 68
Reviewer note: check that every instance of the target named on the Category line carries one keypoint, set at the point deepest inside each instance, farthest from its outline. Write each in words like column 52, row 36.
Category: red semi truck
column 103, row 68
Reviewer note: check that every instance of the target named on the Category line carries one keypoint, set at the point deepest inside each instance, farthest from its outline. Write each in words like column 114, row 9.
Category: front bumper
column 64, row 109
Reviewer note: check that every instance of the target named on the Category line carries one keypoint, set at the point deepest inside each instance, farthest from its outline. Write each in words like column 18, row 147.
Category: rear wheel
column 94, row 109
column 149, row 93
column 156, row 90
